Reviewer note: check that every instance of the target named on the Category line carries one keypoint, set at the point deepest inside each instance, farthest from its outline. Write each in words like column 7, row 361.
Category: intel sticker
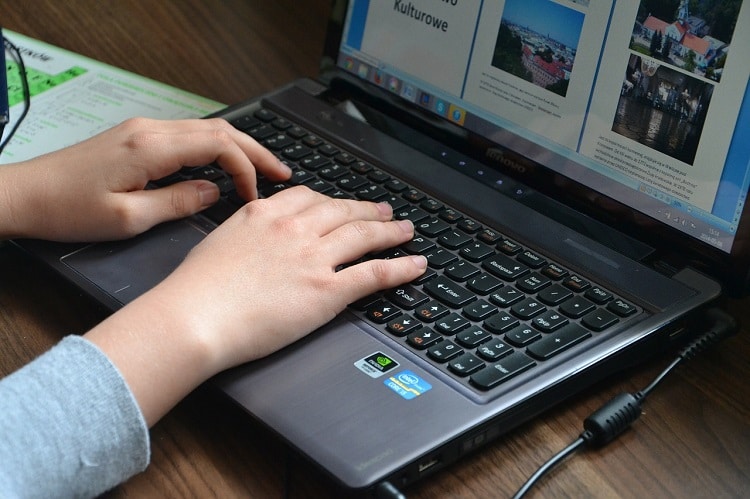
column 376, row 364
column 407, row 384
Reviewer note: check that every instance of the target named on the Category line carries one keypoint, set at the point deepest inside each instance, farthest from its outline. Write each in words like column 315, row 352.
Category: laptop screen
column 645, row 102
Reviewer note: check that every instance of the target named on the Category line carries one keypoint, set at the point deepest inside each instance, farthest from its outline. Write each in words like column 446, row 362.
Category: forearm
column 16, row 208
column 158, row 349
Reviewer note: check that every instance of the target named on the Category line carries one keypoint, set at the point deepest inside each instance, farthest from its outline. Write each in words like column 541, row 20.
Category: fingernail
column 208, row 193
column 284, row 166
column 406, row 225
column 385, row 208
column 420, row 261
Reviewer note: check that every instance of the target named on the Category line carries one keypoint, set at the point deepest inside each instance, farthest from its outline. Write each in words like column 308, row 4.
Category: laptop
column 577, row 174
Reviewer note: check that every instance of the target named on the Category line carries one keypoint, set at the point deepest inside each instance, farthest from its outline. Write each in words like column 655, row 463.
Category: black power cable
column 614, row 417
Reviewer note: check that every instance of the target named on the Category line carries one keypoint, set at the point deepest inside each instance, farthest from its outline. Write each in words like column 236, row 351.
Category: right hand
column 267, row 276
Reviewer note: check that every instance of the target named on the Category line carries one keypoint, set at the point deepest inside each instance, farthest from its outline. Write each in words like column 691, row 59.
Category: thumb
column 174, row 201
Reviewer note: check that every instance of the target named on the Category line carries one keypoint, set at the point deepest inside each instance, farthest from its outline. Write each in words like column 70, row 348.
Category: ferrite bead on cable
column 611, row 419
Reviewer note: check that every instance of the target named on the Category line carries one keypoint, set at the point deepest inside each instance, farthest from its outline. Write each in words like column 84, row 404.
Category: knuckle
column 340, row 205
column 380, row 272
column 180, row 204
column 127, row 221
column 223, row 137
column 363, row 229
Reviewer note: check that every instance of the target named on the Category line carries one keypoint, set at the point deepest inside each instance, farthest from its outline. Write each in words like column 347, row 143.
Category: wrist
column 158, row 351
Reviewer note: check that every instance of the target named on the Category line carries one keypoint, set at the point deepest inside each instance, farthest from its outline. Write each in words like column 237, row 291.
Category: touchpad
column 127, row 269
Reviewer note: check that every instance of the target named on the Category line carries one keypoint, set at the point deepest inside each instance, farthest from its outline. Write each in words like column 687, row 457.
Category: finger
column 263, row 160
column 147, row 208
column 328, row 216
column 290, row 202
column 368, row 277
column 352, row 240
column 166, row 146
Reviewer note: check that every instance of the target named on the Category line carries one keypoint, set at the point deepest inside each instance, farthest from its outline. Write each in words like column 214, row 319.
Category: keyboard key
column 454, row 239
column 451, row 324
column 432, row 227
column 506, row 296
column 431, row 311
column 418, row 245
column 554, row 271
column 598, row 295
column 483, row 283
column 314, row 162
column 469, row 226
column 576, row 283
column 532, row 259
column 450, row 215
column 557, row 342
column 549, row 321
column 423, row 338
column 494, row 350
column 449, row 292
column 509, row 247
column 381, row 312
column 528, row 308
column 522, row 335
column 476, row 252
column 533, row 283
column 489, row 236
column 501, row 322
column 332, row 172
column 472, row 337
column 500, row 371
column 479, row 310
column 411, row 213
column 599, row 320
column 413, row 196
column 621, row 308
column 554, row 295
column 264, row 114
column 351, row 182
column 505, row 268
column 403, row 325
column 466, row 364
column 296, row 152
column 444, row 351
column 406, row 297
column 431, row 205
column 576, row 307
column 378, row 176
column 461, row 270
column 439, row 258
column 370, row 193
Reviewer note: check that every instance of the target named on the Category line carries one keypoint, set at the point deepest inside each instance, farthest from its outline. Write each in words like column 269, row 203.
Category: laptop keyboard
column 486, row 309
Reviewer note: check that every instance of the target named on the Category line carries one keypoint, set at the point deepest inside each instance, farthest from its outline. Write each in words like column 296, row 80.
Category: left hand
column 94, row 190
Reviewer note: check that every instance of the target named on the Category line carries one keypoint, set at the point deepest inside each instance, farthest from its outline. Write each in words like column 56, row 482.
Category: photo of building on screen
column 692, row 36
column 662, row 108
column 537, row 41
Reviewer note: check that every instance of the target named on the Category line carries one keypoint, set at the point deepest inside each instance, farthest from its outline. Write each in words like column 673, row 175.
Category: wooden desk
column 693, row 440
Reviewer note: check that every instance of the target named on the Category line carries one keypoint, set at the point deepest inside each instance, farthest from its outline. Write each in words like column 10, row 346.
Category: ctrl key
column 506, row 368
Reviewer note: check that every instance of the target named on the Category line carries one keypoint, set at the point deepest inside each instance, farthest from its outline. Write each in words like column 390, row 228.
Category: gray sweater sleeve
column 69, row 425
